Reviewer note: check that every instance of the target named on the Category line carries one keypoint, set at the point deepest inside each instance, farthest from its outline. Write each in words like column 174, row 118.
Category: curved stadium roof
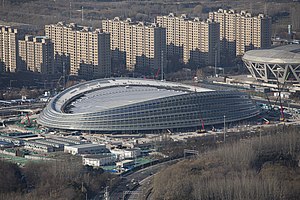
column 137, row 104
column 107, row 98
column 288, row 54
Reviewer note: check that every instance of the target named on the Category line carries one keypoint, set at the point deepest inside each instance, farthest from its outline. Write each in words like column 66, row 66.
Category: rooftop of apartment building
column 135, row 23
column 40, row 38
column 76, row 27
column 7, row 29
column 243, row 13
column 185, row 17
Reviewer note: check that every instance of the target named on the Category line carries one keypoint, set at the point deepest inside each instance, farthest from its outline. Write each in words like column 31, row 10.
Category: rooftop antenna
column 266, row 8
column 81, row 10
column 70, row 8
column 81, row 13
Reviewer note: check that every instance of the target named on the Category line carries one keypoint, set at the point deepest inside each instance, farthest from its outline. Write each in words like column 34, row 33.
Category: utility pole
column 106, row 194
column 134, row 159
column 10, row 83
column 224, row 128
column 216, row 59
column 64, row 75
column 215, row 62
column 260, row 138
column 162, row 65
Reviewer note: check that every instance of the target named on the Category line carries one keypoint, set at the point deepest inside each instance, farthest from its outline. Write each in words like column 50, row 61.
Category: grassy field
column 14, row 159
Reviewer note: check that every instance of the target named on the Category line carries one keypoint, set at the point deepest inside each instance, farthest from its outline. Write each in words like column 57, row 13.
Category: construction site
column 119, row 124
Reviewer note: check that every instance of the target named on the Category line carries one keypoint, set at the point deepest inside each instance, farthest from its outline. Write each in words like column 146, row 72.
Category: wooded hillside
column 41, row 12
column 66, row 179
column 248, row 169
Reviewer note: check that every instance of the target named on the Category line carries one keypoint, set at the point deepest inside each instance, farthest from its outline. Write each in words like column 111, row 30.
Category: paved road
column 144, row 190
column 140, row 176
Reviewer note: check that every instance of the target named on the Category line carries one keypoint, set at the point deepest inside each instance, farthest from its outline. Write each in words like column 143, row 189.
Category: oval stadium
column 280, row 64
column 129, row 105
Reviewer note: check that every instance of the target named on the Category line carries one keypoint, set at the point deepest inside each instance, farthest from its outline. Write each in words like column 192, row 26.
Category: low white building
column 86, row 149
column 98, row 160
column 132, row 153
column 126, row 153
column 284, row 95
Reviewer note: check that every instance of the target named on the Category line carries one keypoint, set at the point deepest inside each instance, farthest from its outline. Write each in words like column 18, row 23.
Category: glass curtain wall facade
column 179, row 111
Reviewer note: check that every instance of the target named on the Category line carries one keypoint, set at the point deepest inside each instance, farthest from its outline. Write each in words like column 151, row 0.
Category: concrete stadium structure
column 280, row 64
column 108, row 105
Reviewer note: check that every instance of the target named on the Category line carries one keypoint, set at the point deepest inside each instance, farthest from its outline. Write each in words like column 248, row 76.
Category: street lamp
column 11, row 82
column 224, row 127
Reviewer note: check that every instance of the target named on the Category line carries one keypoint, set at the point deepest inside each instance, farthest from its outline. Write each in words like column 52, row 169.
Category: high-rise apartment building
column 136, row 46
column 193, row 40
column 8, row 49
column 36, row 54
column 240, row 32
column 177, row 35
column 80, row 50
column 117, row 30
column 203, row 42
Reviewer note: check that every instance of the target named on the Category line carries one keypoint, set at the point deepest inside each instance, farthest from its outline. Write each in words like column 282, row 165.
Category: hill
column 266, row 168
column 40, row 12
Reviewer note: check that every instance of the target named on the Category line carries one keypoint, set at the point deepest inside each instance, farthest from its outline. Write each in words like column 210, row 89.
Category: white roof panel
column 288, row 54
column 100, row 100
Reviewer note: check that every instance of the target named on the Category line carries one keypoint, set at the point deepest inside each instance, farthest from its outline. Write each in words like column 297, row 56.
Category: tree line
column 259, row 168
column 66, row 179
